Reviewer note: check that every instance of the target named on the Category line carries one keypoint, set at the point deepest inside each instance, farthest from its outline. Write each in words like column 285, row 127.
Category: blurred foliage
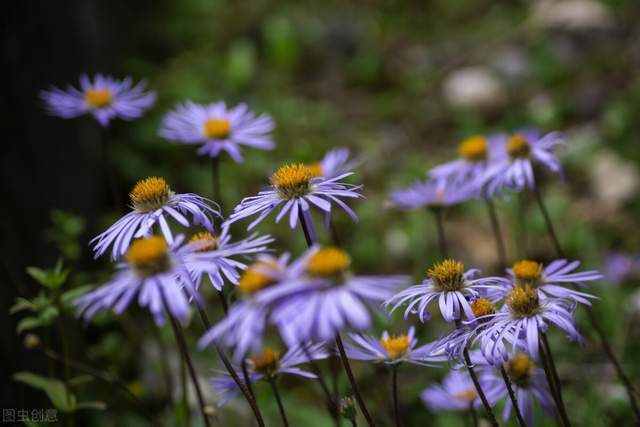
column 373, row 76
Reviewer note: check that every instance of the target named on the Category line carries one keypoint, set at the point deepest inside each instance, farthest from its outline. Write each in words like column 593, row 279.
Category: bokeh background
column 399, row 83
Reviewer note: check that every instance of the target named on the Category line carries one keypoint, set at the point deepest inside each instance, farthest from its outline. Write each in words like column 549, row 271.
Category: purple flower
column 529, row 384
column 523, row 317
column 475, row 154
column 513, row 165
column 269, row 364
column 154, row 273
column 218, row 128
column 244, row 326
column 104, row 97
column 450, row 285
column 297, row 187
column 430, row 193
column 456, row 393
column 334, row 163
column 391, row 349
column 324, row 299
column 214, row 256
column 550, row 281
column 152, row 200
column 619, row 267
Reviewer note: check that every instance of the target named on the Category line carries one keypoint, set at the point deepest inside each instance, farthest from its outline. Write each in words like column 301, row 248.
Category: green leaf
column 49, row 314
column 55, row 390
column 29, row 323
column 101, row 406
column 22, row 304
column 68, row 297
column 39, row 275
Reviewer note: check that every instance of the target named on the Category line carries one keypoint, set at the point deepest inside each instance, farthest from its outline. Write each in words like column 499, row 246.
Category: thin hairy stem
column 595, row 324
column 276, row 394
column 394, row 394
column 497, row 233
column 215, row 180
column 315, row 368
column 248, row 395
column 512, row 396
column 438, row 214
column 223, row 301
column 352, row 381
column 307, row 227
column 553, row 387
column 109, row 170
column 182, row 345
column 476, row 383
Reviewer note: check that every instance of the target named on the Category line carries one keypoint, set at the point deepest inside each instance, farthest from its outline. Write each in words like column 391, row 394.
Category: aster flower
column 513, row 166
column 103, row 97
column 218, row 128
column 244, row 325
column 523, row 317
column 474, row 155
column 431, row 193
column 550, row 281
column 269, row 364
column 528, row 382
column 619, row 267
column 152, row 201
column 391, row 349
column 456, row 393
column 448, row 283
column 325, row 298
column 297, row 187
column 214, row 256
column 154, row 273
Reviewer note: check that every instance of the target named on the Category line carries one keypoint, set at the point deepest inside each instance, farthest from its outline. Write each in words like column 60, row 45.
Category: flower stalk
column 608, row 349
column 276, row 394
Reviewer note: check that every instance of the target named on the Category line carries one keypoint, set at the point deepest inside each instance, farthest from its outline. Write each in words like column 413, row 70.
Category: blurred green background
column 399, row 83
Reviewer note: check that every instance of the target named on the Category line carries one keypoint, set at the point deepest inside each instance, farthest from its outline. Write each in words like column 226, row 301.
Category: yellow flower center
column 520, row 368
column 148, row 256
column 447, row 276
column 328, row 262
column 523, row 301
column 266, row 362
column 518, row 146
column 473, row 149
column 527, row 272
column 292, row 180
column 482, row 307
column 395, row 347
column 98, row 98
column 216, row 128
column 254, row 278
column 468, row 395
column 316, row 169
column 205, row 241
column 150, row 194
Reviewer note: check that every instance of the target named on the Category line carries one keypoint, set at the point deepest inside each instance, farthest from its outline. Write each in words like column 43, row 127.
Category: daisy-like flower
column 214, row 256
column 391, row 349
column 450, row 284
column 334, row 163
column 325, row 298
column 474, row 155
column 456, row 393
column 430, row 193
column 103, row 97
column 152, row 201
column 529, row 384
column 513, row 166
column 269, row 364
column 154, row 273
column 619, row 267
column 297, row 188
column 218, row 128
column 244, row 326
column 521, row 320
column 550, row 281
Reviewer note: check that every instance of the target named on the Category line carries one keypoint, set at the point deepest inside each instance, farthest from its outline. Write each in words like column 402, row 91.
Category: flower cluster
column 304, row 304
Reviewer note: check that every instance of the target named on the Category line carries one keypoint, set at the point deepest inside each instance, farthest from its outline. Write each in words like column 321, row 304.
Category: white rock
column 474, row 87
